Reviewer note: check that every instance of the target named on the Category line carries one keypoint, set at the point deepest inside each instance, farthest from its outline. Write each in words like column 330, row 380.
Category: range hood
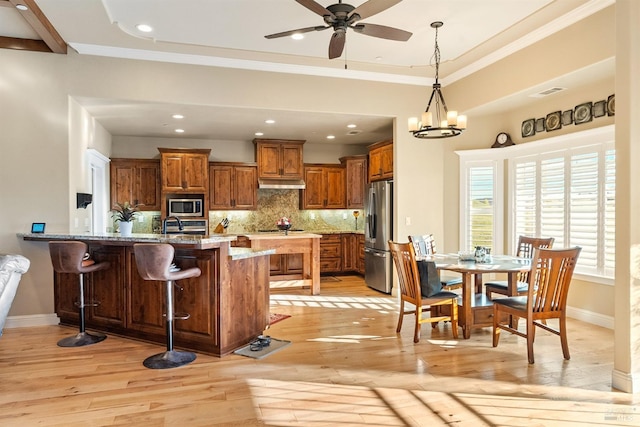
column 282, row 184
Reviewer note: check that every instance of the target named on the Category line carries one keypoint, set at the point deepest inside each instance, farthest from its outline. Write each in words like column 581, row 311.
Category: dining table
column 476, row 309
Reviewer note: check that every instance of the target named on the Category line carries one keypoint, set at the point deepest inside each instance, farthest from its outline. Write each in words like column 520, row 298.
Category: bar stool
column 154, row 263
column 68, row 257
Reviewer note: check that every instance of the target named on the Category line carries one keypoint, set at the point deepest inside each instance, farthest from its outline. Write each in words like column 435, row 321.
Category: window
column 563, row 187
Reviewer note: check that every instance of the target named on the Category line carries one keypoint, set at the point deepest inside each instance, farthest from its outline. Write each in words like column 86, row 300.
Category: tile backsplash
column 274, row 204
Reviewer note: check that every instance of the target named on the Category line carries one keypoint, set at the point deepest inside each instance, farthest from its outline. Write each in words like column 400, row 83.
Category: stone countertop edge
column 135, row 237
column 244, row 253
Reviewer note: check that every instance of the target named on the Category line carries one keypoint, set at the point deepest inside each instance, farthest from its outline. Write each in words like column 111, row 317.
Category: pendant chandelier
column 439, row 121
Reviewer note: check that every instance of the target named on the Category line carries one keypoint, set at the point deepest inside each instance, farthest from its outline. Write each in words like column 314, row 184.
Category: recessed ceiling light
column 378, row 58
column 331, row 137
column 144, row 28
column 21, row 7
column 258, row 134
column 297, row 36
column 270, row 121
column 178, row 116
column 351, row 126
column 179, row 130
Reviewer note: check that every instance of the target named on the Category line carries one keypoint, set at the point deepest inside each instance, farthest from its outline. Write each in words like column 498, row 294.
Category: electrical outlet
column 140, row 218
column 407, row 221
column 312, row 215
column 344, row 216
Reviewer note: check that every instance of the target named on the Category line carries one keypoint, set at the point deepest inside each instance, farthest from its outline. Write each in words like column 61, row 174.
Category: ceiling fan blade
column 316, row 8
column 370, row 8
column 382, row 32
column 299, row 30
column 336, row 45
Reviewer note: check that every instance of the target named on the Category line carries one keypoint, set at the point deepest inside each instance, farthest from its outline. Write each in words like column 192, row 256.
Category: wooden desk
column 476, row 308
column 307, row 244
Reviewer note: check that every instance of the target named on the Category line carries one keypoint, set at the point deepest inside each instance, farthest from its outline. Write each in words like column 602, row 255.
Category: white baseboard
column 31, row 320
column 590, row 317
column 626, row 382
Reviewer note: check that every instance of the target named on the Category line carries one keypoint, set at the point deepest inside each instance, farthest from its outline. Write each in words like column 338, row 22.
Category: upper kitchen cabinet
column 233, row 186
column 381, row 161
column 324, row 187
column 184, row 170
column 279, row 159
column 136, row 181
column 356, row 181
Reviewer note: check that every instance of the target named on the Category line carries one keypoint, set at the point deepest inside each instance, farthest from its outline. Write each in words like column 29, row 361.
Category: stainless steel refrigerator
column 378, row 270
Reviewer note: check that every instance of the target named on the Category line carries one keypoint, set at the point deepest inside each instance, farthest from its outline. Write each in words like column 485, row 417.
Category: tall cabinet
column 356, row 180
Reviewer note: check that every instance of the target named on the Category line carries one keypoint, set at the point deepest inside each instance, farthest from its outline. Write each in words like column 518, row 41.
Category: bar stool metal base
column 82, row 339
column 169, row 359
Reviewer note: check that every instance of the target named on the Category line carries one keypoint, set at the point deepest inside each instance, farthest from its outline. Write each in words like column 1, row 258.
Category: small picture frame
column 582, row 113
column 599, row 108
column 528, row 128
column 540, row 125
column 38, row 227
column 611, row 105
column 567, row 117
column 553, row 121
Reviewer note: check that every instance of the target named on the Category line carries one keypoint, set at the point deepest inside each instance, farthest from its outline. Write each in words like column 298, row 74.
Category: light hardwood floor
column 345, row 367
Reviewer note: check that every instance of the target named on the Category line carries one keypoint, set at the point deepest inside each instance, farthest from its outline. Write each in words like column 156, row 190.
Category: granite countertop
column 135, row 237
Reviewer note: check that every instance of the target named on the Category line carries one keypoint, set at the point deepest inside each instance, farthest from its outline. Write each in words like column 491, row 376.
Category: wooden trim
column 23, row 44
column 41, row 25
column 206, row 151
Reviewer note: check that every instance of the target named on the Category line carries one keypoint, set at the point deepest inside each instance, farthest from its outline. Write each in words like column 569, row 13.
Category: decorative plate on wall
column 540, row 125
column 611, row 105
column 567, row 117
column 582, row 113
column 599, row 109
column 528, row 128
column 553, row 121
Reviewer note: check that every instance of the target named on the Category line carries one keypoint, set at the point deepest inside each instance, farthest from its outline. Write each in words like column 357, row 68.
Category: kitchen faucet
column 164, row 224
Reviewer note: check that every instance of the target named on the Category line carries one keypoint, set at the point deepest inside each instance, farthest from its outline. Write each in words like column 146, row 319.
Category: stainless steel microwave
column 186, row 207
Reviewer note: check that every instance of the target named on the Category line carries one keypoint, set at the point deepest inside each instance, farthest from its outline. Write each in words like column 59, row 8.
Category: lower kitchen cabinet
column 331, row 253
column 285, row 265
column 360, row 262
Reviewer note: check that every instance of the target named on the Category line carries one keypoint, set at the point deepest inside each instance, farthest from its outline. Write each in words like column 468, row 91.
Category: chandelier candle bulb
column 413, row 123
column 427, row 119
column 452, row 118
column 462, row 121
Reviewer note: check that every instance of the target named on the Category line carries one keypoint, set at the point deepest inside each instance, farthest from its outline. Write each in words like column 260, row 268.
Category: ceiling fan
column 341, row 16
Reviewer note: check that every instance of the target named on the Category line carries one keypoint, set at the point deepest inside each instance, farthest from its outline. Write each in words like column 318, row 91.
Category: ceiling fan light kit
column 341, row 16
column 439, row 121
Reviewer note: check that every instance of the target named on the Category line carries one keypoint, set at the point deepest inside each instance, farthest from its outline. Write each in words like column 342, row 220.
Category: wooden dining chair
column 425, row 245
column 526, row 246
column 409, row 280
column 546, row 298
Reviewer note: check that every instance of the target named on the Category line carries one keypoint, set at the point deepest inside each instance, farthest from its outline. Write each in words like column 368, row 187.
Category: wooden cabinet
column 286, row 265
column 184, row 170
column 356, row 180
column 325, row 187
column 136, row 181
column 331, row 253
column 360, row 265
column 279, row 159
column 349, row 252
column 233, row 186
column 381, row 161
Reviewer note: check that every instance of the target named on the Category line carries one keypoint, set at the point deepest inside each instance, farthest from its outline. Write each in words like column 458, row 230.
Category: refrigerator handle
column 372, row 214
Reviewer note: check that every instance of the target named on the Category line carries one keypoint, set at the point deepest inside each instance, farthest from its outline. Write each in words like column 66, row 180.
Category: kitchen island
column 228, row 304
column 308, row 244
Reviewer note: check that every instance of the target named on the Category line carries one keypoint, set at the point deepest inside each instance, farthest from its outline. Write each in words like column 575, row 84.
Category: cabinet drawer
column 330, row 265
column 331, row 250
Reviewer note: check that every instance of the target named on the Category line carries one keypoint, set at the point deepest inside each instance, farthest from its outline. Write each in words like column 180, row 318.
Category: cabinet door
column 334, row 188
column 106, row 288
column 313, row 196
column 195, row 172
column 123, row 181
column 360, row 266
column 245, row 186
column 356, row 182
column 386, row 161
column 331, row 253
column 375, row 165
column 294, row 264
column 276, row 264
column 291, row 161
column 349, row 252
column 172, row 178
column 220, row 187
column 147, row 190
column 268, row 160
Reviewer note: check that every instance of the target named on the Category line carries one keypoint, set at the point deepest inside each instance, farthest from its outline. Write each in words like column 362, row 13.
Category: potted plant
column 125, row 213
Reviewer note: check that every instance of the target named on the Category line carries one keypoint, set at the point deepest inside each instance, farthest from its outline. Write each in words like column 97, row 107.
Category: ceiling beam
column 41, row 25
